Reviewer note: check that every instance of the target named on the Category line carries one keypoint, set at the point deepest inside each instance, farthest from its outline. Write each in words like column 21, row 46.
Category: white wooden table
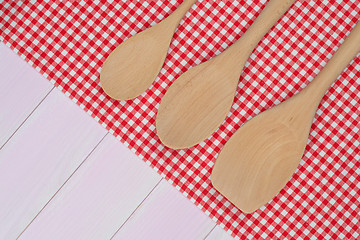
column 62, row 176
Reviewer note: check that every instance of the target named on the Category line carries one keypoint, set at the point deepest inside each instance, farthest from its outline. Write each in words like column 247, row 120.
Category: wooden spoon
column 197, row 102
column 259, row 159
column 132, row 67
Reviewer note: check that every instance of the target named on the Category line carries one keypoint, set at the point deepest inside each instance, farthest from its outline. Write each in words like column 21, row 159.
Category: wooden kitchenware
column 132, row 67
column 259, row 159
column 198, row 101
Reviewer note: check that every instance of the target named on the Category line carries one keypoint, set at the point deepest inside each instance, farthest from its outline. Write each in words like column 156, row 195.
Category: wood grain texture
column 98, row 198
column 22, row 89
column 39, row 158
column 94, row 201
column 166, row 214
column 198, row 101
column 218, row 234
column 133, row 66
column 259, row 159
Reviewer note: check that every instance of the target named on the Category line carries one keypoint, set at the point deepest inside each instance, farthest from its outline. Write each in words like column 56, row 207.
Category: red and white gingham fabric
column 67, row 41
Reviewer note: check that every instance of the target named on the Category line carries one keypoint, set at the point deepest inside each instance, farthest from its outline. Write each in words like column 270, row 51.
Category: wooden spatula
column 132, row 67
column 198, row 101
column 259, row 159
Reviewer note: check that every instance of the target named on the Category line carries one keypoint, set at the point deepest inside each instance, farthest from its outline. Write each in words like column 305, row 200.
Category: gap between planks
column 26, row 119
column 52, row 197
column 132, row 214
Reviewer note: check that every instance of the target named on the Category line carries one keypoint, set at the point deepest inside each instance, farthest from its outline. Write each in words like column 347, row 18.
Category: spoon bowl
column 119, row 79
column 262, row 155
column 178, row 130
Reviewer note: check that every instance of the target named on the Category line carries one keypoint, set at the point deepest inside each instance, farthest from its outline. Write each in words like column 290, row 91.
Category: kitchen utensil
column 132, row 67
column 259, row 159
column 198, row 101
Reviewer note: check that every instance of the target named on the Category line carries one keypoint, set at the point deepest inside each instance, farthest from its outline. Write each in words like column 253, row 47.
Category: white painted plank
column 98, row 198
column 21, row 90
column 39, row 158
column 219, row 234
column 166, row 214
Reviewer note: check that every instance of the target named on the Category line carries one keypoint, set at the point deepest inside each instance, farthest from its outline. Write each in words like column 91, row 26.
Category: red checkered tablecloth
column 67, row 41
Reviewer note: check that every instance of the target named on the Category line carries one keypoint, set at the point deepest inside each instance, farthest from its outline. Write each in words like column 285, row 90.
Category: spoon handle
column 184, row 7
column 174, row 19
column 267, row 18
column 336, row 65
